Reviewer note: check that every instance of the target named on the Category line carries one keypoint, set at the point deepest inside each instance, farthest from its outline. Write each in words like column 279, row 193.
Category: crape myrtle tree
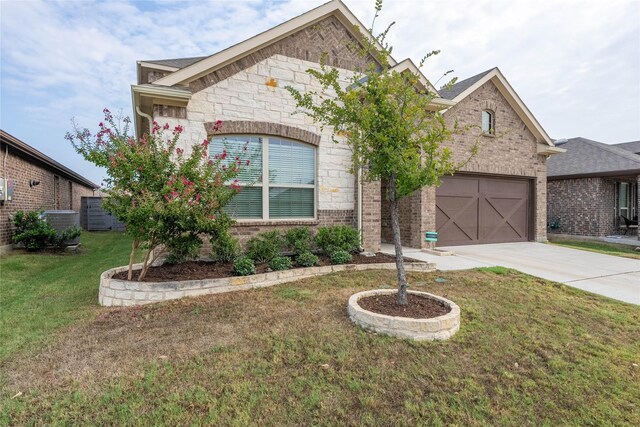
column 167, row 198
column 384, row 117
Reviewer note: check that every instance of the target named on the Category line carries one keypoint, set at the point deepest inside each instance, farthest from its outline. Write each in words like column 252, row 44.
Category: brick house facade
column 244, row 87
column 591, row 186
column 58, row 187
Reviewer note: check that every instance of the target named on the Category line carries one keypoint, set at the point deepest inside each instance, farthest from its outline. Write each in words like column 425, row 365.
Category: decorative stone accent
column 117, row 292
column 263, row 128
column 436, row 328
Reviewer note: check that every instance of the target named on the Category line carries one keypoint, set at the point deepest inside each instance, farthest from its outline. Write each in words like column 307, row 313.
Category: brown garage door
column 474, row 209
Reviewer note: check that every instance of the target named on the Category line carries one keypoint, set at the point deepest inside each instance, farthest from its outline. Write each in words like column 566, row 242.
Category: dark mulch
column 195, row 270
column 418, row 307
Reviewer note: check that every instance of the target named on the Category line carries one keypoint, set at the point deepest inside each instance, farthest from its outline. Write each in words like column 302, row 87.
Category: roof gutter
column 620, row 173
column 161, row 91
column 547, row 150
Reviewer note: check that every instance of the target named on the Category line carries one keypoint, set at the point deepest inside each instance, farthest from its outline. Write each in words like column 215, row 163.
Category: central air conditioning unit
column 62, row 220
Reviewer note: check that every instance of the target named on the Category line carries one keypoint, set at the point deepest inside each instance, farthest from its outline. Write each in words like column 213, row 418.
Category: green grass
column 625, row 251
column 43, row 292
column 529, row 352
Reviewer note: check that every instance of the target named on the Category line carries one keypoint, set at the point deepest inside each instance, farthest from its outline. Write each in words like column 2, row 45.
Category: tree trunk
column 145, row 263
column 395, row 227
column 134, row 246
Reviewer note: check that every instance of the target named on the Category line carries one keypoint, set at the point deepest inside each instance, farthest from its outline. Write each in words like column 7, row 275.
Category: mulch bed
column 418, row 307
column 195, row 270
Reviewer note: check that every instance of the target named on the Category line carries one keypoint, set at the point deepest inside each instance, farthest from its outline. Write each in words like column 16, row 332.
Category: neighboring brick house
column 592, row 186
column 309, row 181
column 39, row 182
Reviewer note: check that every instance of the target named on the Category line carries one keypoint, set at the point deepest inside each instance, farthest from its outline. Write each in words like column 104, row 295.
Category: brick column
column 371, row 199
column 428, row 214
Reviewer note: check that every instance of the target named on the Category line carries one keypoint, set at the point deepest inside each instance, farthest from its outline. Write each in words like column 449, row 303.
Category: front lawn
column 529, row 352
column 42, row 292
column 617, row 249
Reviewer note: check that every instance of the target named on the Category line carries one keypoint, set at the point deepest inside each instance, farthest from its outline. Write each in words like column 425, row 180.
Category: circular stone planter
column 435, row 328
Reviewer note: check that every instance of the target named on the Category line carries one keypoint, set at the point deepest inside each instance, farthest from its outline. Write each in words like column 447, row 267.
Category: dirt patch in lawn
column 418, row 307
column 196, row 270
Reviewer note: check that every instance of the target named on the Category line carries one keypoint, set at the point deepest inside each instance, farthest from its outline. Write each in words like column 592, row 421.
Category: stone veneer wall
column 254, row 101
column 51, row 193
column 116, row 292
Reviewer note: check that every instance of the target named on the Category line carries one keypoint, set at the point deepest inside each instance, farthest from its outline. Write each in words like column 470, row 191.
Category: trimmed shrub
column 338, row 238
column 224, row 247
column 298, row 240
column 244, row 266
column 265, row 246
column 61, row 238
column 340, row 257
column 32, row 230
column 183, row 248
column 307, row 259
column 280, row 263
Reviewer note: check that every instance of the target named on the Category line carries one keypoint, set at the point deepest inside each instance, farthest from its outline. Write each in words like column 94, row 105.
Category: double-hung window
column 279, row 183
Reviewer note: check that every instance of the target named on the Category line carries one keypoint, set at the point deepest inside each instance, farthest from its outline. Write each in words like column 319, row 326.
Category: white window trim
column 265, row 188
column 492, row 123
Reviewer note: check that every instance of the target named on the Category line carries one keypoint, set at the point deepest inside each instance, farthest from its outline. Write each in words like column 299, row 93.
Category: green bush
column 298, row 240
column 265, row 246
column 340, row 257
column 280, row 263
column 32, row 230
column 338, row 238
column 244, row 266
column 183, row 248
column 61, row 238
column 307, row 259
column 224, row 247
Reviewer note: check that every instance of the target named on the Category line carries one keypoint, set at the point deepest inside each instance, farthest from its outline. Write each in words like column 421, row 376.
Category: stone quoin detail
column 436, row 328
column 116, row 292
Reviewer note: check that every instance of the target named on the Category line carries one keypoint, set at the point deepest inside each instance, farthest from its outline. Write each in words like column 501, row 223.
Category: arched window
column 280, row 182
column 488, row 122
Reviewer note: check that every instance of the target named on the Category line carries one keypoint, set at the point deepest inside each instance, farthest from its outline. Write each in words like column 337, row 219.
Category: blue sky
column 576, row 64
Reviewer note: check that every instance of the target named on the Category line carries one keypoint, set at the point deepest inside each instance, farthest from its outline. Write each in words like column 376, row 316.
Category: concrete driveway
column 611, row 276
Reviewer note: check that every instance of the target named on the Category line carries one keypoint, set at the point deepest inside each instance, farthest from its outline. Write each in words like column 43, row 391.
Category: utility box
column 6, row 189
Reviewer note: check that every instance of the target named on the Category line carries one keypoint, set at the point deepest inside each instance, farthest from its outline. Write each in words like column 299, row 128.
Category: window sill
column 274, row 222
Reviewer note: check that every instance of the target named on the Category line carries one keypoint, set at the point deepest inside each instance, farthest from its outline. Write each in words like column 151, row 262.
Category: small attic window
column 488, row 122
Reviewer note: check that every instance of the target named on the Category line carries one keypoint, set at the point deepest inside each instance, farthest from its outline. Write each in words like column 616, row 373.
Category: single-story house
column 500, row 196
column 35, row 181
column 593, row 186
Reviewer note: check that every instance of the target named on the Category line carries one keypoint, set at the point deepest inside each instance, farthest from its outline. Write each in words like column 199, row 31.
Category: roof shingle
column 587, row 157
column 461, row 86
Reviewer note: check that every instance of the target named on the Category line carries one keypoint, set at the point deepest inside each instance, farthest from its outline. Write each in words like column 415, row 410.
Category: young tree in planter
column 166, row 198
column 385, row 117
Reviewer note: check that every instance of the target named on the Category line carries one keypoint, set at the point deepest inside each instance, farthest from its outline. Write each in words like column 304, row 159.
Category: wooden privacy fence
column 94, row 218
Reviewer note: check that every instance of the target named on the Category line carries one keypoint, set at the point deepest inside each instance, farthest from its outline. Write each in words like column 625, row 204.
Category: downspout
column 148, row 117
column 360, row 206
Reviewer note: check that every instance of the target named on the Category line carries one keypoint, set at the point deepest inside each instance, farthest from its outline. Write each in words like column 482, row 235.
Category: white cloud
column 575, row 63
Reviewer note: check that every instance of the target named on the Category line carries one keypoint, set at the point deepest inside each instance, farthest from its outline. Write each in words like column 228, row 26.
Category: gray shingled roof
column 176, row 62
column 587, row 157
column 461, row 86
column 633, row 146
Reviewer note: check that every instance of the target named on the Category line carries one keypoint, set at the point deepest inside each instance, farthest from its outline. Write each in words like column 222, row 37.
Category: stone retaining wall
column 435, row 328
column 116, row 292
